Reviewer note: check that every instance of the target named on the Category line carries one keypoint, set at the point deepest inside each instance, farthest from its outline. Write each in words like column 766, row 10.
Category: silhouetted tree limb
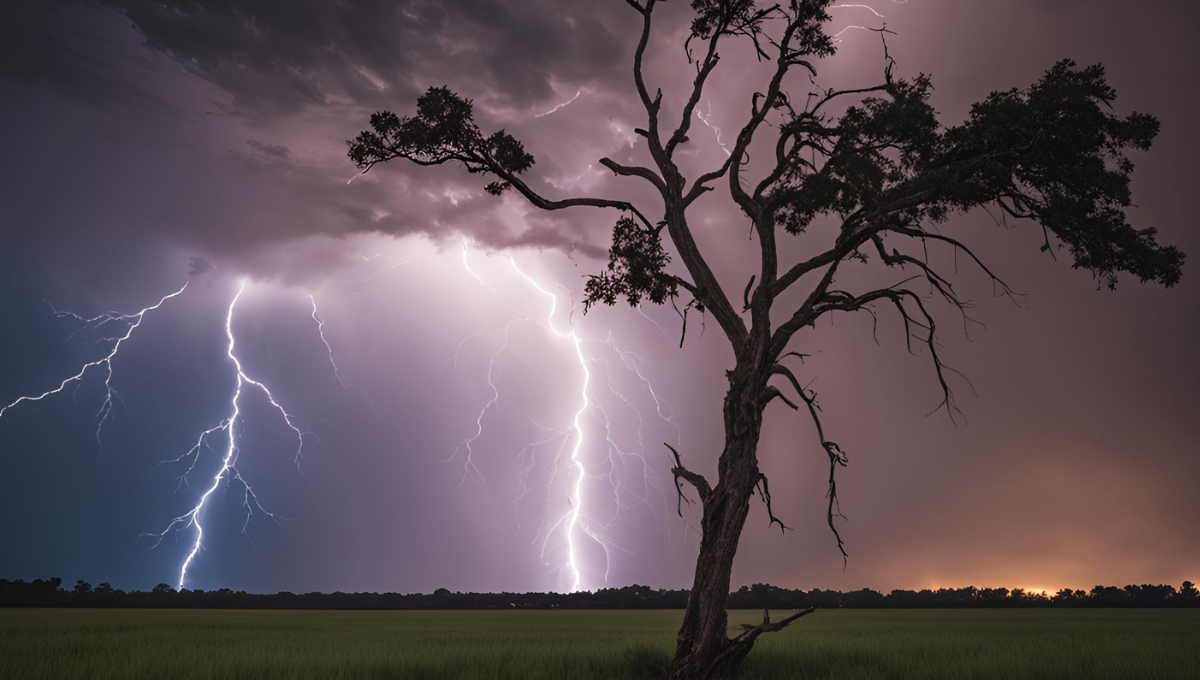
column 708, row 291
column 764, row 490
column 740, row 646
column 837, row 457
column 696, row 479
column 444, row 131
column 841, row 301
column 635, row 171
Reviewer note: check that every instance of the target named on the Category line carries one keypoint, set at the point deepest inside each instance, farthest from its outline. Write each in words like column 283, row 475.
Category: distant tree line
column 51, row 593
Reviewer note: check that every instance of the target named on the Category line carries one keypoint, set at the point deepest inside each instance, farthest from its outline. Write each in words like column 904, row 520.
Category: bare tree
column 884, row 170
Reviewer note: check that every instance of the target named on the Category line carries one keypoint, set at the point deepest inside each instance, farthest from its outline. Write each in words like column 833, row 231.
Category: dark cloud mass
column 198, row 266
column 307, row 75
column 280, row 57
column 149, row 141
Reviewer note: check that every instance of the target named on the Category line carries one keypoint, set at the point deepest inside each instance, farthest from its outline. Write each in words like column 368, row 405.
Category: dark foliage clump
column 443, row 130
column 636, row 268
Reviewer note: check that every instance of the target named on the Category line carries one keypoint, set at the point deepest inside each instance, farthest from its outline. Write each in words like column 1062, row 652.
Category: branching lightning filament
column 134, row 321
column 574, row 460
column 228, row 471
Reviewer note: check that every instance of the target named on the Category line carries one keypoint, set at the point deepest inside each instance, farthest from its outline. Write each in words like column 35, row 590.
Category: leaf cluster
column 857, row 160
column 1054, row 153
column 443, row 130
column 636, row 268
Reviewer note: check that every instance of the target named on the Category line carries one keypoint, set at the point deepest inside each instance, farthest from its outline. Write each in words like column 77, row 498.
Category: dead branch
column 1005, row 289
column 764, row 492
column 741, row 645
column 696, row 479
column 844, row 302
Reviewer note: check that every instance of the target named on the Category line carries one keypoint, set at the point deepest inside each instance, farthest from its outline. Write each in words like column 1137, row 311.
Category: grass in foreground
column 841, row 644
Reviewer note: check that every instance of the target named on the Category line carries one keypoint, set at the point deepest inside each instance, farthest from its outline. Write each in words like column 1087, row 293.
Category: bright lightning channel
column 228, row 425
column 704, row 118
column 560, row 106
column 576, row 424
column 854, row 27
column 572, row 440
column 228, row 469
column 869, row 8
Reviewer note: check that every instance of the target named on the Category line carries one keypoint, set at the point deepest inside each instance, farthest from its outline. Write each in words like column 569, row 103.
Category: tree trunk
column 703, row 647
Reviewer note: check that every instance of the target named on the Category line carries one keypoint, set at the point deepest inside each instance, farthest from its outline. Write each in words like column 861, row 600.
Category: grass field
column 834, row 644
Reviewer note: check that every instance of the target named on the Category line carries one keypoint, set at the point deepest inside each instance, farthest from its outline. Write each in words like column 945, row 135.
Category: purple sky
column 140, row 135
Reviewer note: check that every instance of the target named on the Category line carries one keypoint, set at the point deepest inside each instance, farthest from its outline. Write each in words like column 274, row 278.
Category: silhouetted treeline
column 51, row 593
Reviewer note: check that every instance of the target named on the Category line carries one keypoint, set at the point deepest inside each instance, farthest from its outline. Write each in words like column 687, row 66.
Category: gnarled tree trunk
column 704, row 649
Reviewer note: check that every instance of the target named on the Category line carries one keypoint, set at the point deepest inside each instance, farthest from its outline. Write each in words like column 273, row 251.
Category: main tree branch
column 547, row 204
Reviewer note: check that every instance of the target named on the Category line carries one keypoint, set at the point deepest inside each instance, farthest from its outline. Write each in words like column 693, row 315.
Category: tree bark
column 703, row 649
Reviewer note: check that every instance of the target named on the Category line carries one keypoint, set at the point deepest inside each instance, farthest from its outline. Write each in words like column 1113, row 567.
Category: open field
column 843, row 644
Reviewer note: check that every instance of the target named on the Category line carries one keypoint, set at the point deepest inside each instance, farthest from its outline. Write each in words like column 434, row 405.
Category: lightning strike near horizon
column 228, row 425
column 573, row 517
column 110, row 393
column 228, row 470
column 586, row 449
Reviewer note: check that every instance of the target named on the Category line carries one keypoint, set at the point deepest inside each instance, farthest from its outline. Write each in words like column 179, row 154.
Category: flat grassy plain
column 1061, row 644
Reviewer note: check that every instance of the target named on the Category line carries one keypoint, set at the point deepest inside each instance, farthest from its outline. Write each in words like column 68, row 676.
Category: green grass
column 531, row 645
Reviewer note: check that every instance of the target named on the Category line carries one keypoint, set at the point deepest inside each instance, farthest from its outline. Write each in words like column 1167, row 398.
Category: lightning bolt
column 632, row 480
column 837, row 36
column 493, row 372
column 869, row 8
column 337, row 373
column 560, row 106
column 589, row 420
column 467, row 265
column 704, row 118
column 572, row 517
column 633, row 364
column 110, row 393
column 656, row 324
column 228, row 426
column 228, row 471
